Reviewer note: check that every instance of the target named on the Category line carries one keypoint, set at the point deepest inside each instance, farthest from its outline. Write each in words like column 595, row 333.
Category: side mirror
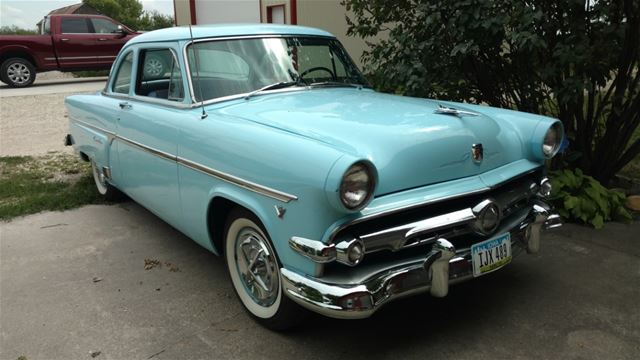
column 121, row 31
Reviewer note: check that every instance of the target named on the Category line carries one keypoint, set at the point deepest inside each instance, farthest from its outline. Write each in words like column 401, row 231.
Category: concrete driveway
column 75, row 282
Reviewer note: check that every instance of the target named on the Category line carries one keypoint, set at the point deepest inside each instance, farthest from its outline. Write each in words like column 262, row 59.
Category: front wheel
column 108, row 191
column 255, row 272
column 17, row 72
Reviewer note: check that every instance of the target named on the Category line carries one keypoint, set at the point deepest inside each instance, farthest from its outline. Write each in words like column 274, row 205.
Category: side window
column 122, row 80
column 104, row 26
column 75, row 26
column 160, row 75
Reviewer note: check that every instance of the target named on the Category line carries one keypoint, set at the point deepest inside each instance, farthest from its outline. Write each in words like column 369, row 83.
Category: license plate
column 491, row 254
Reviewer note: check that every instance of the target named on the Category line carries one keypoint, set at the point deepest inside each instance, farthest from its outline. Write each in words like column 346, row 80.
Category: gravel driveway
column 36, row 124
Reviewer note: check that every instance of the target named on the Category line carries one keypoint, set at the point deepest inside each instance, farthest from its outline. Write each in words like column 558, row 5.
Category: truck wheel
column 17, row 72
column 154, row 67
column 255, row 272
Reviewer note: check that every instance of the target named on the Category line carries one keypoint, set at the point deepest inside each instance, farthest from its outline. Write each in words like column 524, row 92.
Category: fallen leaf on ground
column 151, row 263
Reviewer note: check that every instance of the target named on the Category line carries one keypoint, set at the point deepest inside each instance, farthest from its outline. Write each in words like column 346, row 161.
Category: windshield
column 233, row 67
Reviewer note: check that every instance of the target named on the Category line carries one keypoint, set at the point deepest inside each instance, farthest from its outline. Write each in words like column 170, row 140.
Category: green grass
column 53, row 182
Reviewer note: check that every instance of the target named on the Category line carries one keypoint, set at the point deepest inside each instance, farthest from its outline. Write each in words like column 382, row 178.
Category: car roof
column 225, row 30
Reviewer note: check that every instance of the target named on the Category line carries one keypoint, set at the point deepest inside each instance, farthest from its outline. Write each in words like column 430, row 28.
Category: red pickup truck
column 65, row 43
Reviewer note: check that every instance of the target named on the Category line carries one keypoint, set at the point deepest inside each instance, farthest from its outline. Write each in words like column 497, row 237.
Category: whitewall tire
column 254, row 270
column 108, row 191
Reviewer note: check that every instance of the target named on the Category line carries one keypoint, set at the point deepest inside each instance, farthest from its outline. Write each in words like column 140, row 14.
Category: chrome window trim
column 368, row 217
column 145, row 99
column 113, row 73
column 142, row 49
column 149, row 100
column 245, row 184
column 196, row 103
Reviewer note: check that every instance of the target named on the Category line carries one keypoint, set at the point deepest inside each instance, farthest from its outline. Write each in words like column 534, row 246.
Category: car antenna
column 195, row 56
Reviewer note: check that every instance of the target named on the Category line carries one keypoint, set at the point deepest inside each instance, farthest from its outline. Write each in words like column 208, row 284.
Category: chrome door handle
column 102, row 39
column 125, row 105
column 64, row 39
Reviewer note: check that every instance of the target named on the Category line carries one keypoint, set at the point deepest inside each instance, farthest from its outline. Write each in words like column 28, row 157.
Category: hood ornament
column 444, row 110
column 477, row 153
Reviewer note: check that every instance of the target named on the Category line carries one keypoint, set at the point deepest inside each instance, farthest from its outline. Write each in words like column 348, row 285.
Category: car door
column 75, row 43
column 109, row 39
column 147, row 134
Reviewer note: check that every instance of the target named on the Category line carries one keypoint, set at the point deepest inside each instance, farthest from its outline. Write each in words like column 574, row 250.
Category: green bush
column 581, row 198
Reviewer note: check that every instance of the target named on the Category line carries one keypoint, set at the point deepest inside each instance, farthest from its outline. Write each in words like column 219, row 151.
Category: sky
column 26, row 13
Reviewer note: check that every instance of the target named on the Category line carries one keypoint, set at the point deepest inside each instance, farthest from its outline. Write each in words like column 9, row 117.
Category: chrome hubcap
column 18, row 73
column 153, row 67
column 257, row 267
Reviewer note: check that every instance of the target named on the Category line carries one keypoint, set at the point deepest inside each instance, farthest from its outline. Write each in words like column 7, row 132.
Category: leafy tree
column 14, row 30
column 130, row 13
column 576, row 60
column 151, row 20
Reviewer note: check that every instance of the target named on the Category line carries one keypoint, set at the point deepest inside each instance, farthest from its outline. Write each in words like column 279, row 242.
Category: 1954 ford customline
column 264, row 143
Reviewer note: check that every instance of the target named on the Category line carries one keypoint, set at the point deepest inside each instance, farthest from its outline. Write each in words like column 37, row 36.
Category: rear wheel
column 108, row 191
column 255, row 272
column 17, row 72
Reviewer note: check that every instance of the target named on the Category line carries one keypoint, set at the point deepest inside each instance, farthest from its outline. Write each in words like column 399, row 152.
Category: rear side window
column 159, row 75
column 122, row 81
column 75, row 26
column 104, row 26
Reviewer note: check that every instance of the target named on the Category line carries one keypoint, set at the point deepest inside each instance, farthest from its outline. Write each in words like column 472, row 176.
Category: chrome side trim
column 110, row 135
column 159, row 153
column 77, row 57
column 245, row 184
column 257, row 188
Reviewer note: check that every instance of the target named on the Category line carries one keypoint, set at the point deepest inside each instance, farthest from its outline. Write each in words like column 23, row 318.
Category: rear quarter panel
column 38, row 47
column 91, row 121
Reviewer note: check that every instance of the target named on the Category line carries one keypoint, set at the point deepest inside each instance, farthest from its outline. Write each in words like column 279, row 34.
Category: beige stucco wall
column 227, row 11
column 183, row 14
column 329, row 15
column 324, row 14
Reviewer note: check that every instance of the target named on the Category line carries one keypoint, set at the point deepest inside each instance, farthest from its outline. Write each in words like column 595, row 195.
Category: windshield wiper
column 337, row 83
column 278, row 85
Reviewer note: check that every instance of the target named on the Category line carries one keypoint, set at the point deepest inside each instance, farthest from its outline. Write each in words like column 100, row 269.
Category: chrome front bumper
column 442, row 266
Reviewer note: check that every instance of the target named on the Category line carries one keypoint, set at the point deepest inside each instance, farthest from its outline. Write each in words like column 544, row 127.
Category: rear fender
column 91, row 142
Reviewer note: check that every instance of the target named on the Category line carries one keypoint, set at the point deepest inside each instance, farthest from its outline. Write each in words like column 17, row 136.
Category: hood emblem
column 477, row 153
column 445, row 110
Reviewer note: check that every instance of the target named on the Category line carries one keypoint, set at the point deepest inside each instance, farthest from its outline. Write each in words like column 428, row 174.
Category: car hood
column 409, row 144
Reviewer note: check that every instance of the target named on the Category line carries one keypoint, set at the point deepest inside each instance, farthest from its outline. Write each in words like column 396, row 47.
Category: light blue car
column 265, row 144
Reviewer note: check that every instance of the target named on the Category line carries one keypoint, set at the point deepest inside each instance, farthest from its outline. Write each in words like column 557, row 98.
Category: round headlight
column 552, row 140
column 356, row 187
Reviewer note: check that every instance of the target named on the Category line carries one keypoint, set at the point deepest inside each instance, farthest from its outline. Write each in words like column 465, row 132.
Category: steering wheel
column 317, row 68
